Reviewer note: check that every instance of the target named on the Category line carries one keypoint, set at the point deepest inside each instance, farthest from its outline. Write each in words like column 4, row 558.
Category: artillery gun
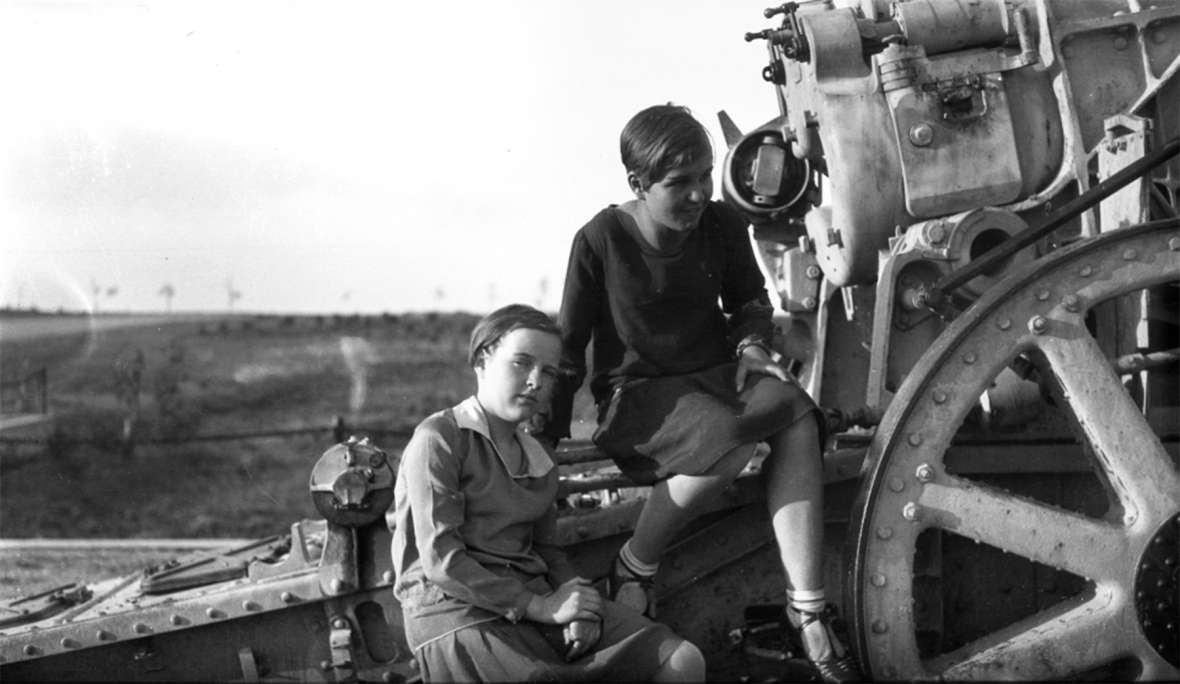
column 985, row 304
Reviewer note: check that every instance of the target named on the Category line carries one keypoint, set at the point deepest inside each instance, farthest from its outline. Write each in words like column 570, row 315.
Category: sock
column 810, row 600
column 634, row 565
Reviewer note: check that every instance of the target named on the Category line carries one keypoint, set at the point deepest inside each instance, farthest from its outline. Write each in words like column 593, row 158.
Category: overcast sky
column 330, row 156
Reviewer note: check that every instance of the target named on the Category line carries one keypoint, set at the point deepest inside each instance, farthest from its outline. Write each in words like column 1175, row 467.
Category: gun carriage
column 969, row 211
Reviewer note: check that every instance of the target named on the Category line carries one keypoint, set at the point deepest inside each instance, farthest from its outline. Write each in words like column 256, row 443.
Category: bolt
column 1072, row 303
column 1086, row 271
column 814, row 272
column 884, row 532
column 809, row 303
column 1038, row 325
column 387, row 577
column 1004, row 323
column 325, row 665
column 339, row 623
column 921, row 134
column 1174, row 244
column 925, row 472
column 287, row 597
column 969, row 358
column 878, row 580
column 940, row 397
column 336, row 586
column 911, row 511
column 936, row 233
column 896, row 484
column 914, row 439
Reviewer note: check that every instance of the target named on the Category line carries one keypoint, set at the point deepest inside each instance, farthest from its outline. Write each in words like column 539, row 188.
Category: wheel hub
column 1157, row 591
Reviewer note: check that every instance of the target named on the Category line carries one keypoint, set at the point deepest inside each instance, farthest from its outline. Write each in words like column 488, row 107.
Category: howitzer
column 968, row 209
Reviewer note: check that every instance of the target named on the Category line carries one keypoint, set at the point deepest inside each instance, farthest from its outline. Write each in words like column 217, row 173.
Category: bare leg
column 686, row 664
column 675, row 500
column 794, row 495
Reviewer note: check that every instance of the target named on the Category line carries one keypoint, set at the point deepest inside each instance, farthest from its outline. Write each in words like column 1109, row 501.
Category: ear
column 636, row 184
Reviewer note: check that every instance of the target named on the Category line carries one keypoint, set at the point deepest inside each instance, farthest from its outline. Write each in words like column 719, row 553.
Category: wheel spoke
column 1070, row 541
column 1068, row 638
column 1126, row 447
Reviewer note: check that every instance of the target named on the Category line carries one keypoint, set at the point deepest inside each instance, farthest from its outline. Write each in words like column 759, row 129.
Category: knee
column 685, row 664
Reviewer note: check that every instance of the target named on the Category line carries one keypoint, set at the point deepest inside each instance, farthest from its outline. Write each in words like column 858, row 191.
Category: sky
column 315, row 157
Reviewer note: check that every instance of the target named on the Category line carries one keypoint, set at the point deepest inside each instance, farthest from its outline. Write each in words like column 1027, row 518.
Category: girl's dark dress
column 664, row 327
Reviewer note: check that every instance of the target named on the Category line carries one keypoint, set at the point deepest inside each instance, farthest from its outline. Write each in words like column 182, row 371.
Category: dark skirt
column 684, row 424
column 631, row 649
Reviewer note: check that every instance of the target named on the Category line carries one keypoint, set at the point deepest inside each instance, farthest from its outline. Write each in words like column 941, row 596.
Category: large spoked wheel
column 1123, row 607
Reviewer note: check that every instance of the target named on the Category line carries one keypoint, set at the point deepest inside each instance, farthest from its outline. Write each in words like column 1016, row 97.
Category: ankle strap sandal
column 833, row 668
column 620, row 578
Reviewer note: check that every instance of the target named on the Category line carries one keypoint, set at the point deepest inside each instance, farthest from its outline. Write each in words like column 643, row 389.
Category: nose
column 701, row 191
column 534, row 379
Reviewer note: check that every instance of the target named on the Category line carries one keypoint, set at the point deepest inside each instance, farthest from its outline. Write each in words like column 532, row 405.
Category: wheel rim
column 908, row 489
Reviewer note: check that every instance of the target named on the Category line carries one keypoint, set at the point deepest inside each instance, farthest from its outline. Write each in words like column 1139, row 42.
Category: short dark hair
column 494, row 326
column 661, row 138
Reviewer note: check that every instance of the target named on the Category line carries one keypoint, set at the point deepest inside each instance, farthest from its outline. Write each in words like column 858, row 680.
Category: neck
column 502, row 431
column 656, row 235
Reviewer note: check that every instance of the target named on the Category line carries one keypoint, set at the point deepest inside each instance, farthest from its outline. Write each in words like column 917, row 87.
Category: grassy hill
column 200, row 375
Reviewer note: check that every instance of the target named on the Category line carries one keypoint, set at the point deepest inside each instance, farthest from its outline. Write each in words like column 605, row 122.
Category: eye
column 550, row 373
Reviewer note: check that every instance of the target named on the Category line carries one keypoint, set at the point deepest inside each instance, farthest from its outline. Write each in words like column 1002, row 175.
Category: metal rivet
column 103, row 635
column 1042, row 295
column 884, row 532
column 31, row 650
column 69, row 643
column 287, row 597
column 250, row 605
column 1174, row 244
column 809, row 303
column 911, row 511
column 214, row 613
column 878, row 580
column 339, row 623
column 1004, row 323
column 1086, row 271
column 387, row 577
column 814, row 272
column 141, row 628
column 969, row 358
column 925, row 472
column 1130, row 254
column 940, row 397
column 921, row 134
column 1038, row 325
column 177, row 620
column 325, row 665
column 914, row 439
column 896, row 484
column 1072, row 303
column 880, row 627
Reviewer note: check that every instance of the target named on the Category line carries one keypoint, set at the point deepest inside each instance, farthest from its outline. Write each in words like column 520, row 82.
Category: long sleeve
column 432, row 483
column 581, row 302
column 743, row 294
column 545, row 541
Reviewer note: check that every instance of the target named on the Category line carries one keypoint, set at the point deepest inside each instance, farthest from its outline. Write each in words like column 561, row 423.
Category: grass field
column 203, row 376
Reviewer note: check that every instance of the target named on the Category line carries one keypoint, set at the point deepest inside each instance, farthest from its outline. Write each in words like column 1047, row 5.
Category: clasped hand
column 754, row 359
column 578, row 606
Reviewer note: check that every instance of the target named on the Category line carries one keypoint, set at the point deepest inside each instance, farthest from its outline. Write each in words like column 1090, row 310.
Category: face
column 517, row 376
column 677, row 200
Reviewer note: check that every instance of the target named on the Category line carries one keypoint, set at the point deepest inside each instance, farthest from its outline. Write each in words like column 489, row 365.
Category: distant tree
column 167, row 292
column 231, row 294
